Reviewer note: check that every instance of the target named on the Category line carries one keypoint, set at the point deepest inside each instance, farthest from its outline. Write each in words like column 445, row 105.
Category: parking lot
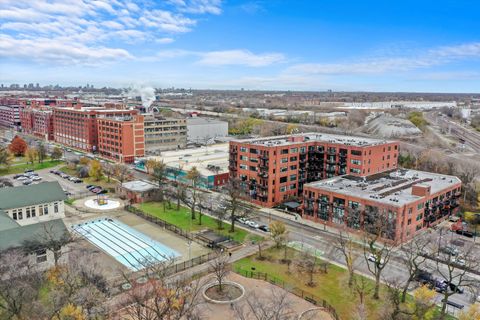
column 74, row 189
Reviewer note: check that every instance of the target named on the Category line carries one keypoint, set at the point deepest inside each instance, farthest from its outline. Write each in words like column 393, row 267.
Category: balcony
column 331, row 169
column 262, row 187
column 331, row 161
column 264, row 156
column 342, row 154
column 233, row 151
column 232, row 168
column 263, row 175
column 331, row 152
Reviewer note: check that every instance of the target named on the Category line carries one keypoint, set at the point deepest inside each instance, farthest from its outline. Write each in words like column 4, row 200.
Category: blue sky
column 389, row 45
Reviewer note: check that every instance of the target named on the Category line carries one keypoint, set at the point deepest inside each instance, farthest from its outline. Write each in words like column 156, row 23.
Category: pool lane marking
column 104, row 243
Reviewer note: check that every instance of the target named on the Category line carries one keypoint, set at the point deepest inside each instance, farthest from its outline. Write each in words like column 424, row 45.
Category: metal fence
column 163, row 224
column 290, row 288
column 164, row 270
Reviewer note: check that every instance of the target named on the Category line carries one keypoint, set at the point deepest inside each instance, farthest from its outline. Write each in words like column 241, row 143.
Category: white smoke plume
column 147, row 94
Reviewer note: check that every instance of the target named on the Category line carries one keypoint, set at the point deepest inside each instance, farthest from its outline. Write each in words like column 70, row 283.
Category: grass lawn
column 332, row 287
column 182, row 219
column 14, row 169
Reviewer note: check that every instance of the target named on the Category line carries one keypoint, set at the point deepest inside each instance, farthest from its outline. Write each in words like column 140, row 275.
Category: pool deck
column 112, row 267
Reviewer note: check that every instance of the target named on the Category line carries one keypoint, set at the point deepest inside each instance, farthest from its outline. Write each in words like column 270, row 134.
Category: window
column 27, row 212
column 284, row 160
column 283, row 179
column 252, row 168
column 41, row 255
column 242, row 166
column 283, row 189
column 302, row 149
column 409, row 222
column 355, row 170
column 420, row 206
column 283, row 169
column 293, row 186
column 356, row 152
column 254, row 159
column 20, row 214
column 355, row 161
column 284, row 151
column 293, row 177
column 243, row 149
column 419, row 217
column 293, row 150
column 55, row 207
column 254, row 151
column 244, row 158
column 14, row 214
column 353, row 204
column 293, row 158
column 293, row 167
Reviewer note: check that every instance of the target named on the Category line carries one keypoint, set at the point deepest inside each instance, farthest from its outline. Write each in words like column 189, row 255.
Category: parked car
column 77, row 180
column 424, row 277
column 453, row 287
column 465, row 233
column 458, row 261
column 28, row 170
column 66, row 177
column 18, row 176
column 449, row 250
column 53, row 171
column 91, row 186
column 22, row 178
column 242, row 220
column 27, row 182
column 264, row 228
column 36, row 178
column 68, row 193
column 72, row 179
column 440, row 286
column 253, row 224
column 372, row 258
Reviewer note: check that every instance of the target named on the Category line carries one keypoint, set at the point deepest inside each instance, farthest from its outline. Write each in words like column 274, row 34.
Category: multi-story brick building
column 164, row 133
column 37, row 122
column 10, row 113
column 77, row 127
column 121, row 138
column 274, row 169
column 409, row 200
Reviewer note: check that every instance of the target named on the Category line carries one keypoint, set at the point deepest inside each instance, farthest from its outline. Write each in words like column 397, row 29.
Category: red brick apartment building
column 77, row 127
column 121, row 138
column 411, row 200
column 274, row 169
column 37, row 122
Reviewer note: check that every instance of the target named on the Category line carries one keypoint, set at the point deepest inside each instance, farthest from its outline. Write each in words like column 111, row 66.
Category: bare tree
column 220, row 267
column 307, row 264
column 233, row 202
column 378, row 248
column 220, row 214
column 49, row 240
column 452, row 265
column 413, row 257
column 121, row 172
column 192, row 198
column 346, row 246
column 361, row 287
column 274, row 306
column 19, row 285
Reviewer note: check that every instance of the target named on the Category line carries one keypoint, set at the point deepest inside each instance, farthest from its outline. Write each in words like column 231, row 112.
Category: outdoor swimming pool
column 131, row 248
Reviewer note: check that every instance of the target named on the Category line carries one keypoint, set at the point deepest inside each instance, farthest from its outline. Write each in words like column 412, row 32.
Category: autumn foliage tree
column 18, row 146
column 95, row 170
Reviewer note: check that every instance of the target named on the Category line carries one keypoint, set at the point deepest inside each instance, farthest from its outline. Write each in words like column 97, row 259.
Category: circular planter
column 126, row 286
column 225, row 283
column 142, row 280
column 307, row 314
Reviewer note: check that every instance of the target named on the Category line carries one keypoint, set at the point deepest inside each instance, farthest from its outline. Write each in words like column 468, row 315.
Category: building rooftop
column 392, row 188
column 203, row 121
column 139, row 186
column 314, row 136
column 15, row 236
column 30, row 195
column 205, row 159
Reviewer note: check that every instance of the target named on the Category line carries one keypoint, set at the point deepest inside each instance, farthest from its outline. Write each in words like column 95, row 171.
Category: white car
column 22, row 178
column 371, row 257
column 458, row 261
column 253, row 224
column 36, row 178
column 242, row 220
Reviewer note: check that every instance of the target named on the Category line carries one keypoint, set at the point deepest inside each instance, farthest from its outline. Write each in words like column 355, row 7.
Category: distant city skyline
column 410, row 46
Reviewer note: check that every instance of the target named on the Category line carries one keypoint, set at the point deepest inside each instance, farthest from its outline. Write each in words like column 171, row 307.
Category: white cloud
column 46, row 50
column 240, row 57
column 92, row 24
column 198, row 6
column 432, row 57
